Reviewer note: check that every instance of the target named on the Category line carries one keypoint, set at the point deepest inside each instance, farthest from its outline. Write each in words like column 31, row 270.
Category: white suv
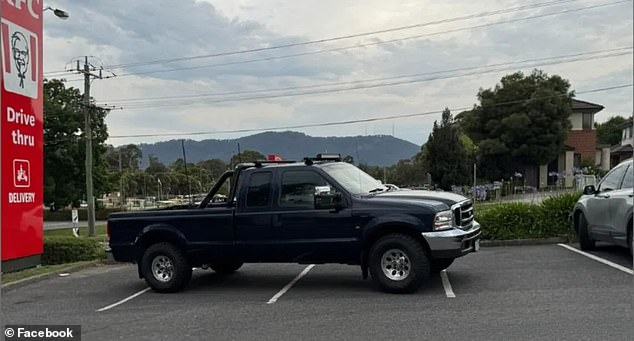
column 605, row 213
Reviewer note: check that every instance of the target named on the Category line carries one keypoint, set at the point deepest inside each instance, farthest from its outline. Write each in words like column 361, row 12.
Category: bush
column 66, row 215
column 555, row 210
column 58, row 250
column 527, row 221
column 509, row 221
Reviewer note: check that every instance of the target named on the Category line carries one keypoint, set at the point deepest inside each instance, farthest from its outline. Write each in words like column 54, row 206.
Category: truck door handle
column 605, row 196
column 631, row 195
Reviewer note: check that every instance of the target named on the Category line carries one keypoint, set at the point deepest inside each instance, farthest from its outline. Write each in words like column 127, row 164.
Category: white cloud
column 126, row 32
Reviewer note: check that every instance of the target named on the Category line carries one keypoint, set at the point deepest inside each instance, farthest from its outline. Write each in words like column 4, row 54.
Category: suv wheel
column 585, row 242
column 226, row 268
column 440, row 264
column 398, row 264
column 165, row 268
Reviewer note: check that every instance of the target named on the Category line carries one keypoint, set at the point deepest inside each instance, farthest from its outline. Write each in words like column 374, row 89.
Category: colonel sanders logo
column 19, row 62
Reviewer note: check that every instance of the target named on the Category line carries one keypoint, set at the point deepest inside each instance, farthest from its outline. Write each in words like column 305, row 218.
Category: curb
column 522, row 242
column 41, row 277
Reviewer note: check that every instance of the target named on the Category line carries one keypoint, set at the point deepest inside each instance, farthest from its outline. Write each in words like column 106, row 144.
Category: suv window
column 298, row 188
column 259, row 189
column 629, row 177
column 613, row 180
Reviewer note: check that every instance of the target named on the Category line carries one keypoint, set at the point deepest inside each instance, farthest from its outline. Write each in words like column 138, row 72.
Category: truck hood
column 447, row 198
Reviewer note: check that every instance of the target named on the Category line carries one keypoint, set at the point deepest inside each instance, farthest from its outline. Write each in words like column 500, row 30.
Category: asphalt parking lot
column 545, row 292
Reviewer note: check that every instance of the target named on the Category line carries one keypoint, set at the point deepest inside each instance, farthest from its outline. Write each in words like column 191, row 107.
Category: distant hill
column 377, row 150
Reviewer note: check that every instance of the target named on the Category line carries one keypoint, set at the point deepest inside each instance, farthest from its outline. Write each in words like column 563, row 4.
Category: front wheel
column 398, row 264
column 165, row 268
column 585, row 242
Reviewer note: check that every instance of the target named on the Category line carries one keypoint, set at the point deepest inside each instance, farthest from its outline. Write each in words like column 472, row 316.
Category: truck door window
column 259, row 189
column 298, row 188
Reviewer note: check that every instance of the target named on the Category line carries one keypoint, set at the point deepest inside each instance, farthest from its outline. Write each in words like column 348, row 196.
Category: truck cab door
column 253, row 233
column 309, row 233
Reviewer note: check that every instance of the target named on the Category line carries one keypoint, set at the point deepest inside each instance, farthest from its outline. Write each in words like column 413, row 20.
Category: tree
column 64, row 146
column 246, row 156
column 610, row 131
column 213, row 167
column 155, row 166
column 523, row 121
column 446, row 157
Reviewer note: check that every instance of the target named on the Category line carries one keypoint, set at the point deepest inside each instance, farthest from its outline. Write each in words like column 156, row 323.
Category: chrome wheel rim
column 162, row 268
column 395, row 264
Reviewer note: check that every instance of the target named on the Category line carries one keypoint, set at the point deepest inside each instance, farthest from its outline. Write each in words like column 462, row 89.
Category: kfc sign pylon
column 21, row 133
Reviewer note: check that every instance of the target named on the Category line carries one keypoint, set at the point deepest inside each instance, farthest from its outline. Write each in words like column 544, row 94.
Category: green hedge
column 507, row 221
column 59, row 250
column 66, row 215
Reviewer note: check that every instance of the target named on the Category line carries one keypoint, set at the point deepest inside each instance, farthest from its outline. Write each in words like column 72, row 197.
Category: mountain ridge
column 376, row 150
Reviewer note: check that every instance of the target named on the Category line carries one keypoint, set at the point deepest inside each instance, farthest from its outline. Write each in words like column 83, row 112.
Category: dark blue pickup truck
column 320, row 210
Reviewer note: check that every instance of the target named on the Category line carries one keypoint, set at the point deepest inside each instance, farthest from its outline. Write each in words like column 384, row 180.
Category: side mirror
column 326, row 199
column 589, row 190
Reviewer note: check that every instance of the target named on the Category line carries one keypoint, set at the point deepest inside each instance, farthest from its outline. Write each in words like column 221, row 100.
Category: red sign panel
column 21, row 129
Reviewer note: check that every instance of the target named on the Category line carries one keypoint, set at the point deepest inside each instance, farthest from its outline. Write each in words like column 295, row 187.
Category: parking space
column 520, row 293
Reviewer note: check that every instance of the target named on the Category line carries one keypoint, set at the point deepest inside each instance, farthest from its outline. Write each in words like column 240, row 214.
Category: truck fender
column 391, row 221
column 397, row 223
column 159, row 232
column 155, row 233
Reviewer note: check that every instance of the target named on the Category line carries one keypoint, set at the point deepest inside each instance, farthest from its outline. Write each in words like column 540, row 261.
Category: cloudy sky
column 242, row 91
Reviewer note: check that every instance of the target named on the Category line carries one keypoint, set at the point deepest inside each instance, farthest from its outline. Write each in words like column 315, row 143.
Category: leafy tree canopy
column 523, row 120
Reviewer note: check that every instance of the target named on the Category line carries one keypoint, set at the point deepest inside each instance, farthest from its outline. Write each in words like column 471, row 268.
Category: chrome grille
column 463, row 214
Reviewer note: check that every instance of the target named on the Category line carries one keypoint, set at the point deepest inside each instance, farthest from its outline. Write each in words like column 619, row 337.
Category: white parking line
column 124, row 300
column 446, row 284
column 289, row 285
column 598, row 259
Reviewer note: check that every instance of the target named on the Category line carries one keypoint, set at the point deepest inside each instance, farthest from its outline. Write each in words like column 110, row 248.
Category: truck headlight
column 443, row 220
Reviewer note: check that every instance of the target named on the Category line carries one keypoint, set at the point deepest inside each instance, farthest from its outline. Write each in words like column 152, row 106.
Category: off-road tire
column 181, row 270
column 419, row 263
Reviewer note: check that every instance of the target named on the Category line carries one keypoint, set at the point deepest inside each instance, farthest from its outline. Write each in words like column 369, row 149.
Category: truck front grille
column 463, row 214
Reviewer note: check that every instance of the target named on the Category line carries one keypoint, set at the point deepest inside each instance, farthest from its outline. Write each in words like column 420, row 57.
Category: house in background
column 623, row 151
column 581, row 145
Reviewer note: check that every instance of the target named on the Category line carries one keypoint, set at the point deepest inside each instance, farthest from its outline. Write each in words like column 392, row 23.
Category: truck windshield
column 353, row 179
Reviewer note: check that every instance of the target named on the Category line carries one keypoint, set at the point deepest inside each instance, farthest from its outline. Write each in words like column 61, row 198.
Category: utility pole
column 121, row 197
column 90, row 199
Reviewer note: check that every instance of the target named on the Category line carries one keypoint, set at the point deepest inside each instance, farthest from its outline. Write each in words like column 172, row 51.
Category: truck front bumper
column 453, row 243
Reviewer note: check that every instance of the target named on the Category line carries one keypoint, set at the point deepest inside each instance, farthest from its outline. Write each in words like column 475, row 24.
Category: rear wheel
column 585, row 242
column 226, row 268
column 165, row 268
column 440, row 264
column 398, row 264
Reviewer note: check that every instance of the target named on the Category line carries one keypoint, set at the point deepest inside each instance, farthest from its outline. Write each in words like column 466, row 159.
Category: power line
column 357, row 35
column 167, row 98
column 361, row 45
column 373, row 119
column 356, row 46
column 148, row 105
